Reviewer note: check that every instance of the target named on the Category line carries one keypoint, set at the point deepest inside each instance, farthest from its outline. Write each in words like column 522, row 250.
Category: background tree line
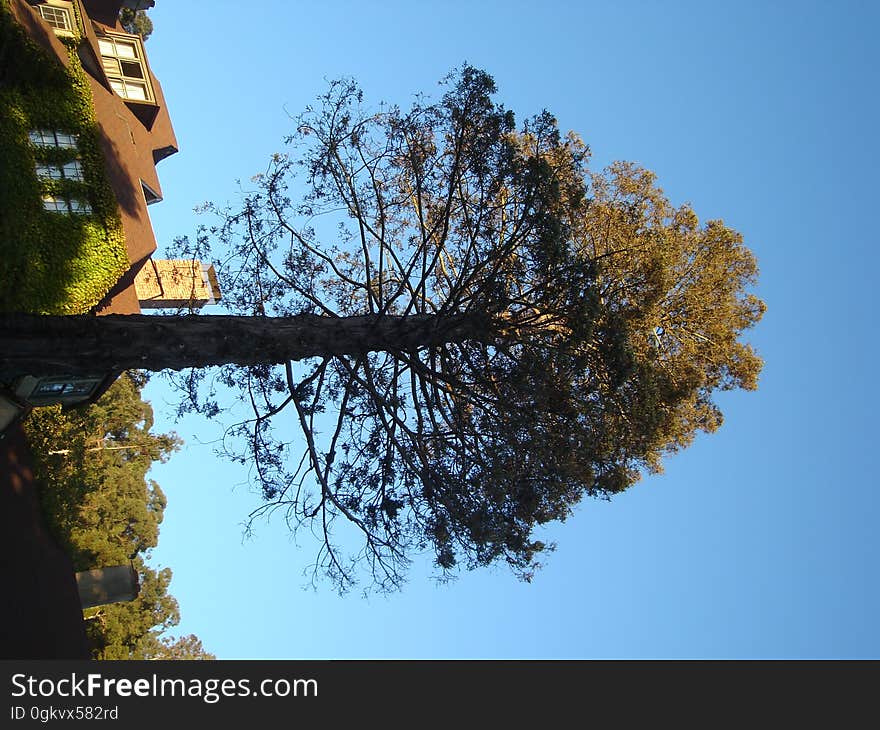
column 92, row 466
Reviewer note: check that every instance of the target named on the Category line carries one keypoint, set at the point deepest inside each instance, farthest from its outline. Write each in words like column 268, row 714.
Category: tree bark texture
column 84, row 344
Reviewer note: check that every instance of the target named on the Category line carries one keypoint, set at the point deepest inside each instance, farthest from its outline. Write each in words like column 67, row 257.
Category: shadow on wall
column 126, row 189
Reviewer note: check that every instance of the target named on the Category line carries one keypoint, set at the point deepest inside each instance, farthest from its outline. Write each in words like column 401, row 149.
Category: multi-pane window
column 68, row 171
column 62, row 204
column 56, row 205
column 71, row 169
column 68, row 388
column 58, row 17
column 52, row 138
column 123, row 61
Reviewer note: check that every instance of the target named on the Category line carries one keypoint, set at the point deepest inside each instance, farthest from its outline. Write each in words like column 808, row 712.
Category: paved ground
column 40, row 615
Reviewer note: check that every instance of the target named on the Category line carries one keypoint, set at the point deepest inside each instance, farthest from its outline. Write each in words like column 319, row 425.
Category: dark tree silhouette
column 136, row 22
column 471, row 329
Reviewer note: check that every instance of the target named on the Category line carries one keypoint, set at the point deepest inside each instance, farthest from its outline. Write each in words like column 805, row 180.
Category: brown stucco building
column 129, row 105
column 134, row 134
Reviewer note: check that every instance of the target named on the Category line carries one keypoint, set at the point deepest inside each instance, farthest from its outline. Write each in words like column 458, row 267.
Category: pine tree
column 471, row 329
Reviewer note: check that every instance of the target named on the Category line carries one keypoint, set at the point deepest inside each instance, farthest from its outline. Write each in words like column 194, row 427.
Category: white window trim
column 120, row 78
column 67, row 9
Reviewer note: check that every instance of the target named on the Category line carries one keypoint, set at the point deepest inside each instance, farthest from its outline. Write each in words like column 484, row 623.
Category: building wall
column 132, row 145
column 133, row 136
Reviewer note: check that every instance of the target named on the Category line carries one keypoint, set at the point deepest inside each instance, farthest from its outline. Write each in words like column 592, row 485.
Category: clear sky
column 761, row 540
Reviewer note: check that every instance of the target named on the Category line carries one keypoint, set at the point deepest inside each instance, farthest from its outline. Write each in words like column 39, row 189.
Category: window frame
column 64, row 7
column 70, row 170
column 61, row 140
column 119, row 76
column 56, row 389
column 59, row 203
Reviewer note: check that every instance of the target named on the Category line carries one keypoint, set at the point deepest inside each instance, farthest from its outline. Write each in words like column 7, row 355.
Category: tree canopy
column 136, row 22
column 92, row 464
column 582, row 325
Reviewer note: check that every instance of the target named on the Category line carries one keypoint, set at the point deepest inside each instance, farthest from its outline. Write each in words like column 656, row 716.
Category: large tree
column 470, row 328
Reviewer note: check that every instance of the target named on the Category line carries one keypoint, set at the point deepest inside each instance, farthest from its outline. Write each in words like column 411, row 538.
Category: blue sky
column 761, row 539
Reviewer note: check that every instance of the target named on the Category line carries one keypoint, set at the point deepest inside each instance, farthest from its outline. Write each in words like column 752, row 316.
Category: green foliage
column 136, row 22
column 51, row 263
column 92, row 465
column 680, row 299
column 96, row 497
column 131, row 629
column 187, row 647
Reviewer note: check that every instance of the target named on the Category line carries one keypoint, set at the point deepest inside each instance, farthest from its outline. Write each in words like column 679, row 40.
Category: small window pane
column 132, row 69
column 68, row 141
column 56, row 205
column 134, row 90
column 111, row 65
column 73, row 170
column 118, row 86
column 124, row 50
column 42, row 137
column 53, row 172
column 80, row 206
column 107, row 48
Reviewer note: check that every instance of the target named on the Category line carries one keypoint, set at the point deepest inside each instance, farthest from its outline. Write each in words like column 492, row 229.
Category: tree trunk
column 83, row 344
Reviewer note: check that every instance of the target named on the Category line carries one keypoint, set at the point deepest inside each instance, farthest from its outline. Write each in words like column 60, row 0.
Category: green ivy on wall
column 51, row 262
